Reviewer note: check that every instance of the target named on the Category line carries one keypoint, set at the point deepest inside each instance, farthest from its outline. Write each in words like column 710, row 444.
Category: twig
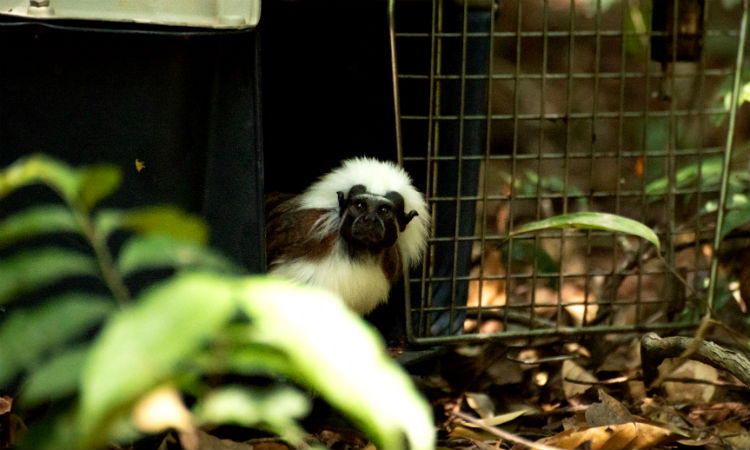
column 625, row 379
column 655, row 349
column 717, row 383
column 566, row 410
column 616, row 380
column 613, row 281
column 502, row 434
column 514, row 317
column 545, row 360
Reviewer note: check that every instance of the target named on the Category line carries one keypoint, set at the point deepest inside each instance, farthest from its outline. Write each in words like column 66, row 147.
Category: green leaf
column 528, row 253
column 84, row 187
column 740, row 180
column 737, row 201
column 33, row 269
column 592, row 220
column 56, row 432
column 234, row 353
column 635, row 27
column 744, row 94
column 143, row 253
column 28, row 336
column 107, row 221
column 735, row 218
column 345, row 363
column 97, row 182
column 166, row 220
column 56, row 379
column 34, row 221
column 40, row 169
column 530, row 183
column 707, row 172
column 143, row 346
column 274, row 408
column 595, row 7
column 253, row 359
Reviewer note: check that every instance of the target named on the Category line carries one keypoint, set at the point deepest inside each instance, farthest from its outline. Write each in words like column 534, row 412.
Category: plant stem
column 728, row 151
column 103, row 257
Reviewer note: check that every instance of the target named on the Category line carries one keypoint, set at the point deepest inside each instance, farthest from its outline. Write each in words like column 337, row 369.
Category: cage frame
column 415, row 338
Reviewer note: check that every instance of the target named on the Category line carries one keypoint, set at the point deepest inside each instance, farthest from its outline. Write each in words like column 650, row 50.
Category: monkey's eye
column 382, row 210
column 360, row 205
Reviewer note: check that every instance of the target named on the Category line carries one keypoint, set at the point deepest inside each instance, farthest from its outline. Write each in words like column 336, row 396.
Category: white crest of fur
column 361, row 284
column 378, row 177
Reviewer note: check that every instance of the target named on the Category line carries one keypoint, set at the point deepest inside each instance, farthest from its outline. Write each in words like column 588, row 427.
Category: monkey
column 351, row 232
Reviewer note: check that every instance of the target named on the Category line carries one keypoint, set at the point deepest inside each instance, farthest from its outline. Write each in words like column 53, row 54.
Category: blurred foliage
column 725, row 94
column 531, row 253
column 705, row 175
column 531, row 184
column 104, row 366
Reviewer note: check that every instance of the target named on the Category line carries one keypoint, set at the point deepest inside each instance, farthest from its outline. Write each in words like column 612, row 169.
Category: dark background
column 218, row 117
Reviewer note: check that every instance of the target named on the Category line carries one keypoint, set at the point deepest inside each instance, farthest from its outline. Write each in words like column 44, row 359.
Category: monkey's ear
column 404, row 220
column 342, row 201
column 398, row 205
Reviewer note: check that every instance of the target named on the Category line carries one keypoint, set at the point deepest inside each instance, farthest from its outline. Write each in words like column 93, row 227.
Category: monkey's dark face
column 371, row 222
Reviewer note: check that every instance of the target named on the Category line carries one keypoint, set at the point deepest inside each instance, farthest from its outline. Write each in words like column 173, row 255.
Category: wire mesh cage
column 514, row 111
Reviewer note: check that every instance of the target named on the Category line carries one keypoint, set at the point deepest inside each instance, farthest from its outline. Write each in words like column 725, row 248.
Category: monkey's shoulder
column 274, row 200
column 294, row 233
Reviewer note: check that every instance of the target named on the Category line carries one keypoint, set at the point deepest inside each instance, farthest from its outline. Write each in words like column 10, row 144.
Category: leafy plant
column 591, row 221
column 110, row 366
column 580, row 220
column 706, row 175
column 530, row 183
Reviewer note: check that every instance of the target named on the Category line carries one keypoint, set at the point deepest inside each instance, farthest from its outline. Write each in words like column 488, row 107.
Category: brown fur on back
column 291, row 237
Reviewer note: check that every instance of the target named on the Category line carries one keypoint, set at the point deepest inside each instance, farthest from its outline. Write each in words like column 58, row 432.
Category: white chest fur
column 361, row 283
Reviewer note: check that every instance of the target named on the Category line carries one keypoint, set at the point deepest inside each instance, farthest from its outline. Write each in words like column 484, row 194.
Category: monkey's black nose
column 368, row 229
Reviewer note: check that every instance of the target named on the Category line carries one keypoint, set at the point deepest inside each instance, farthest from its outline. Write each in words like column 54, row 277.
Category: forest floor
column 547, row 395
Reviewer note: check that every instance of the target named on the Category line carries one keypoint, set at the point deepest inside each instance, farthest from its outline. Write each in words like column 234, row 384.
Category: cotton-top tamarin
column 350, row 232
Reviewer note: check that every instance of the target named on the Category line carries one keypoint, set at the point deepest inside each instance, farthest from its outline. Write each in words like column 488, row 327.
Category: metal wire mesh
column 515, row 111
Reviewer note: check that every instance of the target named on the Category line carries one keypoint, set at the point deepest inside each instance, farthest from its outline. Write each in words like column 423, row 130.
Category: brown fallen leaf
column 624, row 358
column 481, row 403
column 654, row 410
column 341, row 438
column 501, row 419
column 608, row 411
column 715, row 413
column 468, row 431
column 710, row 441
column 206, row 441
column 504, row 372
column 6, row 404
column 269, row 445
column 626, row 436
column 734, row 435
column 691, row 392
column 572, row 371
column 209, row 441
